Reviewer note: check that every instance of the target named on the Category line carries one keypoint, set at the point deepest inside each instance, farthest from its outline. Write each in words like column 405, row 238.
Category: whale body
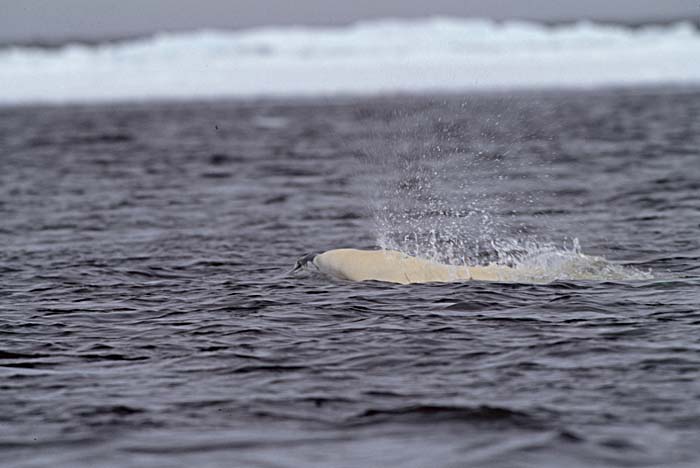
column 396, row 267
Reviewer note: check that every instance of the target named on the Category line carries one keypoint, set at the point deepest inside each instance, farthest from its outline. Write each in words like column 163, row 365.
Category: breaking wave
column 435, row 54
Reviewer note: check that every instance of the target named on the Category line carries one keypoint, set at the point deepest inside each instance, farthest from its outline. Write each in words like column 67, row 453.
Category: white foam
column 545, row 262
column 440, row 54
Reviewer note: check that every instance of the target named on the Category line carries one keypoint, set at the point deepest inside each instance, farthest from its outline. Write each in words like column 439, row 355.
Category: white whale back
column 396, row 267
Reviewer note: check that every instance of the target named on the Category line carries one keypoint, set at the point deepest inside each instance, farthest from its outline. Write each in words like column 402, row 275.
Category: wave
column 438, row 413
column 434, row 54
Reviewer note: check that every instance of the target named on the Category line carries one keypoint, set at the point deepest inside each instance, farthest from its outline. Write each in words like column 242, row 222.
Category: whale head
column 303, row 261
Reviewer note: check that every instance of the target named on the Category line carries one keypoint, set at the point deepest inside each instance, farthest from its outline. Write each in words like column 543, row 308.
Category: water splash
column 437, row 199
column 435, row 196
column 546, row 262
column 532, row 260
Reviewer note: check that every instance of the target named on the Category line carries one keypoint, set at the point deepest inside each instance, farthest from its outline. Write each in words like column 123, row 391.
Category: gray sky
column 22, row 20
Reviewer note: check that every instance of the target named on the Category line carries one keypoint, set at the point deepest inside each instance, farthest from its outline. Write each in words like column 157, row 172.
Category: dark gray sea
column 148, row 316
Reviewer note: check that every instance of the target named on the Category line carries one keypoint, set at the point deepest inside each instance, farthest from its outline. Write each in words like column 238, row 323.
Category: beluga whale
column 392, row 266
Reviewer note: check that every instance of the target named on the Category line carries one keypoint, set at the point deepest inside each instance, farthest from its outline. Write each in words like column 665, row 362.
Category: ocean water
column 374, row 57
column 148, row 317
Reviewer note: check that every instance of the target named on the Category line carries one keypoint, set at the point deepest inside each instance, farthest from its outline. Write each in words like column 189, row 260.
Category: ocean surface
column 148, row 316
